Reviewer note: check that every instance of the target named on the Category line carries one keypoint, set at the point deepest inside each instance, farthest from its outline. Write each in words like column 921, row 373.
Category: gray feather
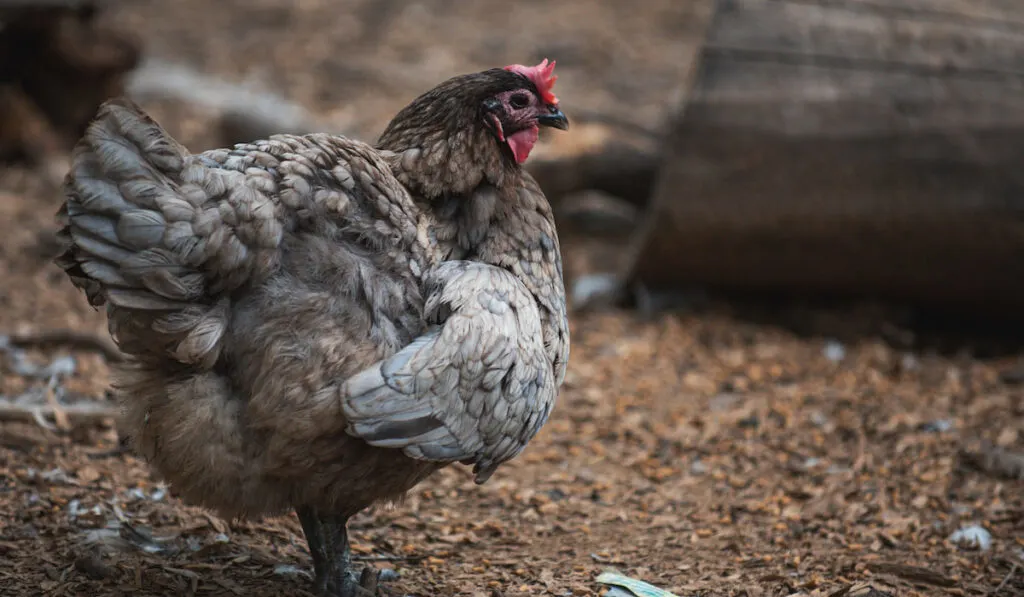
column 139, row 301
column 99, row 248
column 141, row 228
column 449, row 395
column 105, row 273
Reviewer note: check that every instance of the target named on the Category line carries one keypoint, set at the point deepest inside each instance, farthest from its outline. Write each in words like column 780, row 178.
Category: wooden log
column 851, row 147
column 619, row 169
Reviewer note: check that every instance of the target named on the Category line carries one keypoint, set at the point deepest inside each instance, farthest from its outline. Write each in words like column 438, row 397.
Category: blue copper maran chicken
column 318, row 324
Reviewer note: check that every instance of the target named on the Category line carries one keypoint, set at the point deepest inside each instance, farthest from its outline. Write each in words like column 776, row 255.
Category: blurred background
column 792, row 235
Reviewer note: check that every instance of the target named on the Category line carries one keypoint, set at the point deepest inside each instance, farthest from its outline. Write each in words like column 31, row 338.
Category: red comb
column 542, row 76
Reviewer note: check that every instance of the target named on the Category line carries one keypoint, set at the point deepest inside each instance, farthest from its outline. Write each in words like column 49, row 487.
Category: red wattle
column 521, row 142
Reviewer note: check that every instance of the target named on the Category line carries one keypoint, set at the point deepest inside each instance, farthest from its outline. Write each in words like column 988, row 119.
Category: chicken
column 318, row 324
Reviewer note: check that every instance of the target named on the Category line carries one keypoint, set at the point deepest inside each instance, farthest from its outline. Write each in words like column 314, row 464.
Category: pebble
column 973, row 536
column 834, row 351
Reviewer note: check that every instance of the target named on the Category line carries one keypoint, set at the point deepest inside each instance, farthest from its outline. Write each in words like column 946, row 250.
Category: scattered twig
column 227, row 586
column 40, row 420
column 1006, row 579
column 117, row 452
column 915, row 574
column 77, row 413
column 60, row 416
column 860, row 463
column 71, row 339
column 192, row 577
column 387, row 558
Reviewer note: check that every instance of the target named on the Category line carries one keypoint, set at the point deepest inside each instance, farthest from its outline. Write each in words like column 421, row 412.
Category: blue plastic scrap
column 637, row 588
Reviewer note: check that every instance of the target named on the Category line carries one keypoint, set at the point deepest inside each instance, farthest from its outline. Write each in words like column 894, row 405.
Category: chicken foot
column 327, row 537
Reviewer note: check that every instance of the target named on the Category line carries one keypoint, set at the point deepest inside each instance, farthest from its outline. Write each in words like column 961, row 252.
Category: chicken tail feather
column 128, row 237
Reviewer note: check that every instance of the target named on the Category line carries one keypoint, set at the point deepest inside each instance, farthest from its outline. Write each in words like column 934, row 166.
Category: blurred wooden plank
column 855, row 32
column 852, row 147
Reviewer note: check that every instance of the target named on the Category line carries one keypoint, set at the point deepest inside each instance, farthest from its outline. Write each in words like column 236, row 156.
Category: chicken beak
column 554, row 118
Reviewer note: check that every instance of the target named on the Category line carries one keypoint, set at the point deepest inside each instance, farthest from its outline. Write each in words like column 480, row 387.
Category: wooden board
column 854, row 147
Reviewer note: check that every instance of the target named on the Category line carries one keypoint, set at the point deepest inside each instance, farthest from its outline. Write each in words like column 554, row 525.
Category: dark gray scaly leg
column 327, row 538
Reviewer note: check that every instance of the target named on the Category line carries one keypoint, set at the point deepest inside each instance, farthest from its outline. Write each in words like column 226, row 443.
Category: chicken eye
column 519, row 101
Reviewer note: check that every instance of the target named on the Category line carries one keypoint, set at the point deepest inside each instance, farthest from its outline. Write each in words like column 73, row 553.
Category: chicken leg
column 327, row 538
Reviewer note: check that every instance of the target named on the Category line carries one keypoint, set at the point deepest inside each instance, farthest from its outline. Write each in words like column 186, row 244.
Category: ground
column 696, row 450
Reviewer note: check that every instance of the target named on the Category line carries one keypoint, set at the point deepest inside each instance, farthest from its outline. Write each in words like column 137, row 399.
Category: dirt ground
column 695, row 450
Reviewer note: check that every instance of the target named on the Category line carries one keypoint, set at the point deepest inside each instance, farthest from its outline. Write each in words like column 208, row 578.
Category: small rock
column 61, row 367
column 136, row 493
column 55, row 476
column 93, row 567
column 972, row 536
column 909, row 362
column 87, row 474
column 834, row 351
column 937, row 426
column 1007, row 437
